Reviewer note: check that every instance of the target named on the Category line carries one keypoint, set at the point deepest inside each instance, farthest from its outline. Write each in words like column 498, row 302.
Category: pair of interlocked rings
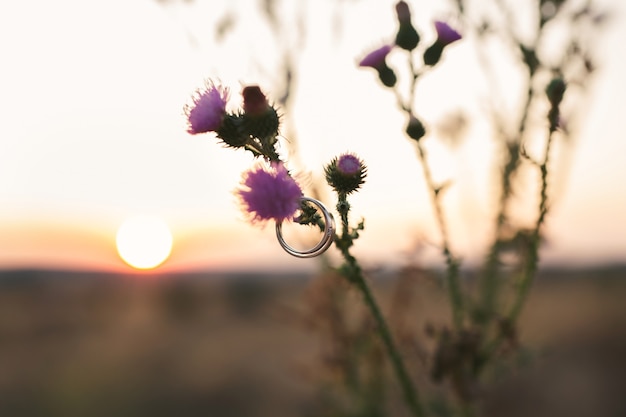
column 328, row 234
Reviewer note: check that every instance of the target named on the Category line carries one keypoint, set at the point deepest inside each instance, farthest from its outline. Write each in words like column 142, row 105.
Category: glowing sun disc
column 144, row 242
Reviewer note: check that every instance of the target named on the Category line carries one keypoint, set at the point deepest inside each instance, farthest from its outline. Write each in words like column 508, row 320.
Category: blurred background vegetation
column 78, row 344
column 282, row 344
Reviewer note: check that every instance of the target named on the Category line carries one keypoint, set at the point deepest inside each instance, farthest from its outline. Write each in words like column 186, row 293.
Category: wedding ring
column 328, row 234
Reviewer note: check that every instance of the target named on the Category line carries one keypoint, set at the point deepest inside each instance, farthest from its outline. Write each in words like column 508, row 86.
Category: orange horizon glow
column 68, row 246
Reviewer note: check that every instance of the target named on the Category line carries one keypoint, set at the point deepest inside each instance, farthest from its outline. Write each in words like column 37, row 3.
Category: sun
column 144, row 242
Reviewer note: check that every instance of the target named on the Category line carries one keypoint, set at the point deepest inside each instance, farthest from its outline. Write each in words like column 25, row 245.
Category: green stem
column 490, row 281
column 452, row 274
column 410, row 393
column 452, row 270
column 353, row 273
column 532, row 260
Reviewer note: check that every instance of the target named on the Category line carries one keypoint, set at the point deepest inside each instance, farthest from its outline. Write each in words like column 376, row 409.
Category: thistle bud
column 254, row 101
column 260, row 119
column 432, row 55
column 377, row 60
column 445, row 36
column 555, row 91
column 403, row 12
column 407, row 37
column 231, row 131
column 415, row 129
column 345, row 173
column 387, row 76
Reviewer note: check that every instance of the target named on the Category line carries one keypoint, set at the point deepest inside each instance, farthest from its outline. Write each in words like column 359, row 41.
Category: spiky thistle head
column 345, row 173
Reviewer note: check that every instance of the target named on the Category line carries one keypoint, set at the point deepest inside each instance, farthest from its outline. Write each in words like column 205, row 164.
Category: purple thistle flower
column 269, row 193
column 348, row 164
column 445, row 34
column 376, row 58
column 208, row 109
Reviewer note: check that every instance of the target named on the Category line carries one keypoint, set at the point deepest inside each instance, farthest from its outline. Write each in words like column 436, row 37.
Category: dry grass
column 252, row 346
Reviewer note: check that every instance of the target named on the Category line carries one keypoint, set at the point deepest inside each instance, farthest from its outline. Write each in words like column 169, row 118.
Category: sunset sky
column 92, row 132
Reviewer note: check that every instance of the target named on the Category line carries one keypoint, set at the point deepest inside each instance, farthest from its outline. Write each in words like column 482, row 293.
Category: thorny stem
column 270, row 153
column 406, row 103
column 532, row 261
column 490, row 276
column 489, row 280
column 353, row 273
column 452, row 272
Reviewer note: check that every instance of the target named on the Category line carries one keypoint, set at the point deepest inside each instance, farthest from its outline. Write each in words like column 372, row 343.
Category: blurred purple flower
column 376, row 58
column 445, row 34
column 269, row 193
column 208, row 109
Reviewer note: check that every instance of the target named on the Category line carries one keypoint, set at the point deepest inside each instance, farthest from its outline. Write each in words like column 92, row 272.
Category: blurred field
column 86, row 344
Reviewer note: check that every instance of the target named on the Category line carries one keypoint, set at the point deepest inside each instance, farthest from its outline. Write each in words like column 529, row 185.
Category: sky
column 92, row 132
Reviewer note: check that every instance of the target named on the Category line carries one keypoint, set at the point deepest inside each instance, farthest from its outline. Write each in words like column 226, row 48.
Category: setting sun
column 144, row 242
